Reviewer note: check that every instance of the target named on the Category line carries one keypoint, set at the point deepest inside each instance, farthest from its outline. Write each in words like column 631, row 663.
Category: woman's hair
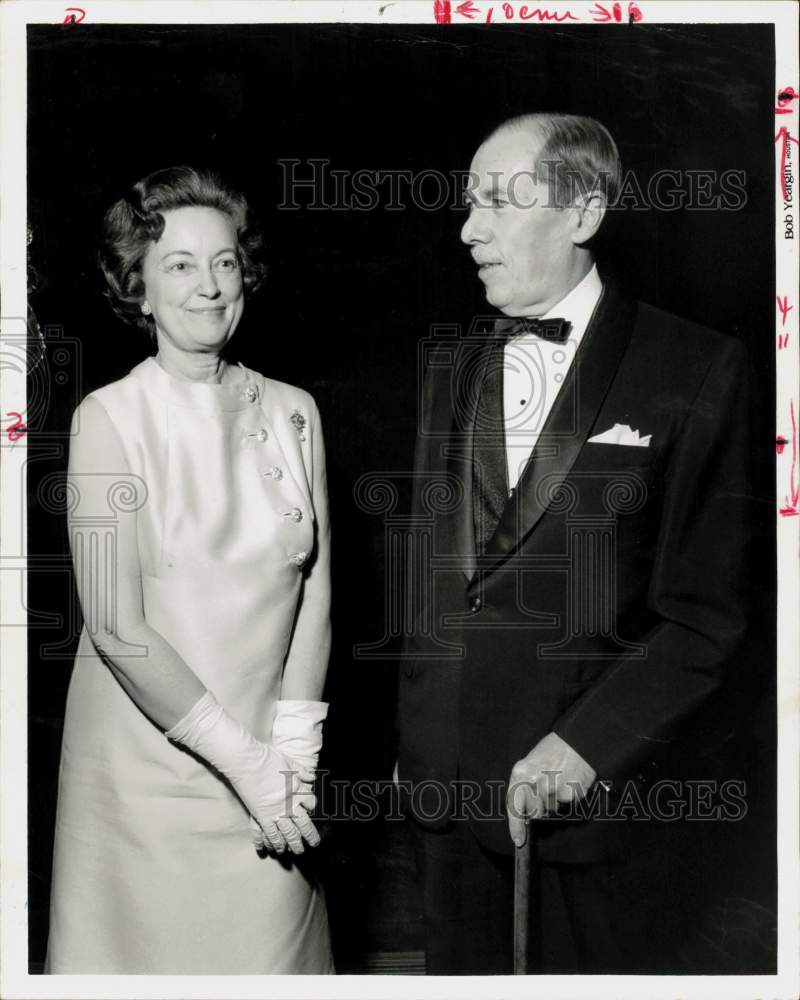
column 136, row 221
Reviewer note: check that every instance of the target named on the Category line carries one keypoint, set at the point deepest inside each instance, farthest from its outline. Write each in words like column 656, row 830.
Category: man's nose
column 474, row 229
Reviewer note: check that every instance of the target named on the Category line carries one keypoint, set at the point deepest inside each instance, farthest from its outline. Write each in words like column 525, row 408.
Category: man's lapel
column 470, row 364
column 568, row 424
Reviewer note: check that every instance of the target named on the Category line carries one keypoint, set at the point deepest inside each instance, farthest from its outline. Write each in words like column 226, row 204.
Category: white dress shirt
column 534, row 370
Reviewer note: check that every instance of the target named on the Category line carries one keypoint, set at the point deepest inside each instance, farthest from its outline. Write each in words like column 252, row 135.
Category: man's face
column 524, row 250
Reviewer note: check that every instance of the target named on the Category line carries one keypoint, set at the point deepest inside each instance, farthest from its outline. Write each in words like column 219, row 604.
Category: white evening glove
column 297, row 731
column 274, row 790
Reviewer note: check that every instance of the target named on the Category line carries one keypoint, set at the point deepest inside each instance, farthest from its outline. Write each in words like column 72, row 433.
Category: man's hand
column 551, row 774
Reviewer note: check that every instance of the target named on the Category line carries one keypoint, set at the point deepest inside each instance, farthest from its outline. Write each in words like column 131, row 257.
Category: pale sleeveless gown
column 154, row 869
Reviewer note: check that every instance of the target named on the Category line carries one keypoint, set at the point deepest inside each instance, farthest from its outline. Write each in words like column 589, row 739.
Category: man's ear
column 588, row 214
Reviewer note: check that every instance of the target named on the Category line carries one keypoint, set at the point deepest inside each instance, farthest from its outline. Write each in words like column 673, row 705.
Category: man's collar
column 578, row 305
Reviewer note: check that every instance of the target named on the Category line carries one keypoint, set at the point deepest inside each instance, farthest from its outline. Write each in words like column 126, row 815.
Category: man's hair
column 578, row 155
column 137, row 220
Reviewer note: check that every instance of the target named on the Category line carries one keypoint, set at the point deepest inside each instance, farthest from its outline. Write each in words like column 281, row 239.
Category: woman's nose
column 208, row 283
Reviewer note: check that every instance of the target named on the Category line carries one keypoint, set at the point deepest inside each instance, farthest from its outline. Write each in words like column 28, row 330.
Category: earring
column 145, row 308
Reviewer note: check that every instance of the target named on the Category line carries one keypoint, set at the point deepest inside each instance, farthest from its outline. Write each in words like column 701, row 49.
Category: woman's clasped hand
column 276, row 791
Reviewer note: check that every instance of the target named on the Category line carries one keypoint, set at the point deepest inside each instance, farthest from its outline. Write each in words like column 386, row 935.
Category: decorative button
column 250, row 393
column 299, row 558
column 475, row 605
column 261, row 434
column 274, row 473
column 295, row 514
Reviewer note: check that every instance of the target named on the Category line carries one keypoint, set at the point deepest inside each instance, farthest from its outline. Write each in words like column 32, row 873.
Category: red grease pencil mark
column 526, row 14
column 786, row 138
column 792, row 501
column 441, row 12
column 780, row 444
column 634, row 14
column 599, row 13
column 786, row 96
column 783, row 341
column 602, row 14
column 72, row 15
column 444, row 10
column 17, row 429
column 785, row 308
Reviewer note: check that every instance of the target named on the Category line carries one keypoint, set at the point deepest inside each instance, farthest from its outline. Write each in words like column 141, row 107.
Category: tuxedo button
column 475, row 605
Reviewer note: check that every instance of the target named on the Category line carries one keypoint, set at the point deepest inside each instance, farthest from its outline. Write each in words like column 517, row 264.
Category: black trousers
column 586, row 918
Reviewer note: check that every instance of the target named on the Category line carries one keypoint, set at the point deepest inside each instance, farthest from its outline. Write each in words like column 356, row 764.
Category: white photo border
column 15, row 981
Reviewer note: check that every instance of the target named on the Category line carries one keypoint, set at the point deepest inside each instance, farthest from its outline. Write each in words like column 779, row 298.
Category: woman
column 200, row 540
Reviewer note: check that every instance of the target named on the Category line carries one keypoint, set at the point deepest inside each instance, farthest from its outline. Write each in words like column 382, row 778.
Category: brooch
column 299, row 422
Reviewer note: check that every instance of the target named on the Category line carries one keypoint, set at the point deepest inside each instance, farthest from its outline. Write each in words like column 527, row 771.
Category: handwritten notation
column 791, row 507
column 448, row 11
column 785, row 97
column 18, row 429
column 601, row 14
column 786, row 104
column 783, row 307
column 73, row 15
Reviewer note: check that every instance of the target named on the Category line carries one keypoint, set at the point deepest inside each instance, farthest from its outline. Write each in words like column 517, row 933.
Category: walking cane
column 522, row 892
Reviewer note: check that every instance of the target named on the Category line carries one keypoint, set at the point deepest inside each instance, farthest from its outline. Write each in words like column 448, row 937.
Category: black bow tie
column 556, row 330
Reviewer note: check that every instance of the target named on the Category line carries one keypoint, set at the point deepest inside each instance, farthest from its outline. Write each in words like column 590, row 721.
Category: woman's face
column 193, row 280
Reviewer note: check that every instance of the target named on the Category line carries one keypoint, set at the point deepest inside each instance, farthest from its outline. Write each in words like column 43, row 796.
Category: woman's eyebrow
column 188, row 253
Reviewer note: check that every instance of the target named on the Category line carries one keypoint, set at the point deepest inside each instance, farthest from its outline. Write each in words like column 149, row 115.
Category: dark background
column 349, row 296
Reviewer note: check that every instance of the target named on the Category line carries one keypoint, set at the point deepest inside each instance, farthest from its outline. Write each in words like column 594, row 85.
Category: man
column 585, row 590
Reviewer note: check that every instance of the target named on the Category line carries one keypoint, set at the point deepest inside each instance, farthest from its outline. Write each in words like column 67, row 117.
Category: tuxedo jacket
column 612, row 594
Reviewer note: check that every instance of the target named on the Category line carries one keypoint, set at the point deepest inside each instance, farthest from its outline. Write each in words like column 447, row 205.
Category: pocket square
column 621, row 434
